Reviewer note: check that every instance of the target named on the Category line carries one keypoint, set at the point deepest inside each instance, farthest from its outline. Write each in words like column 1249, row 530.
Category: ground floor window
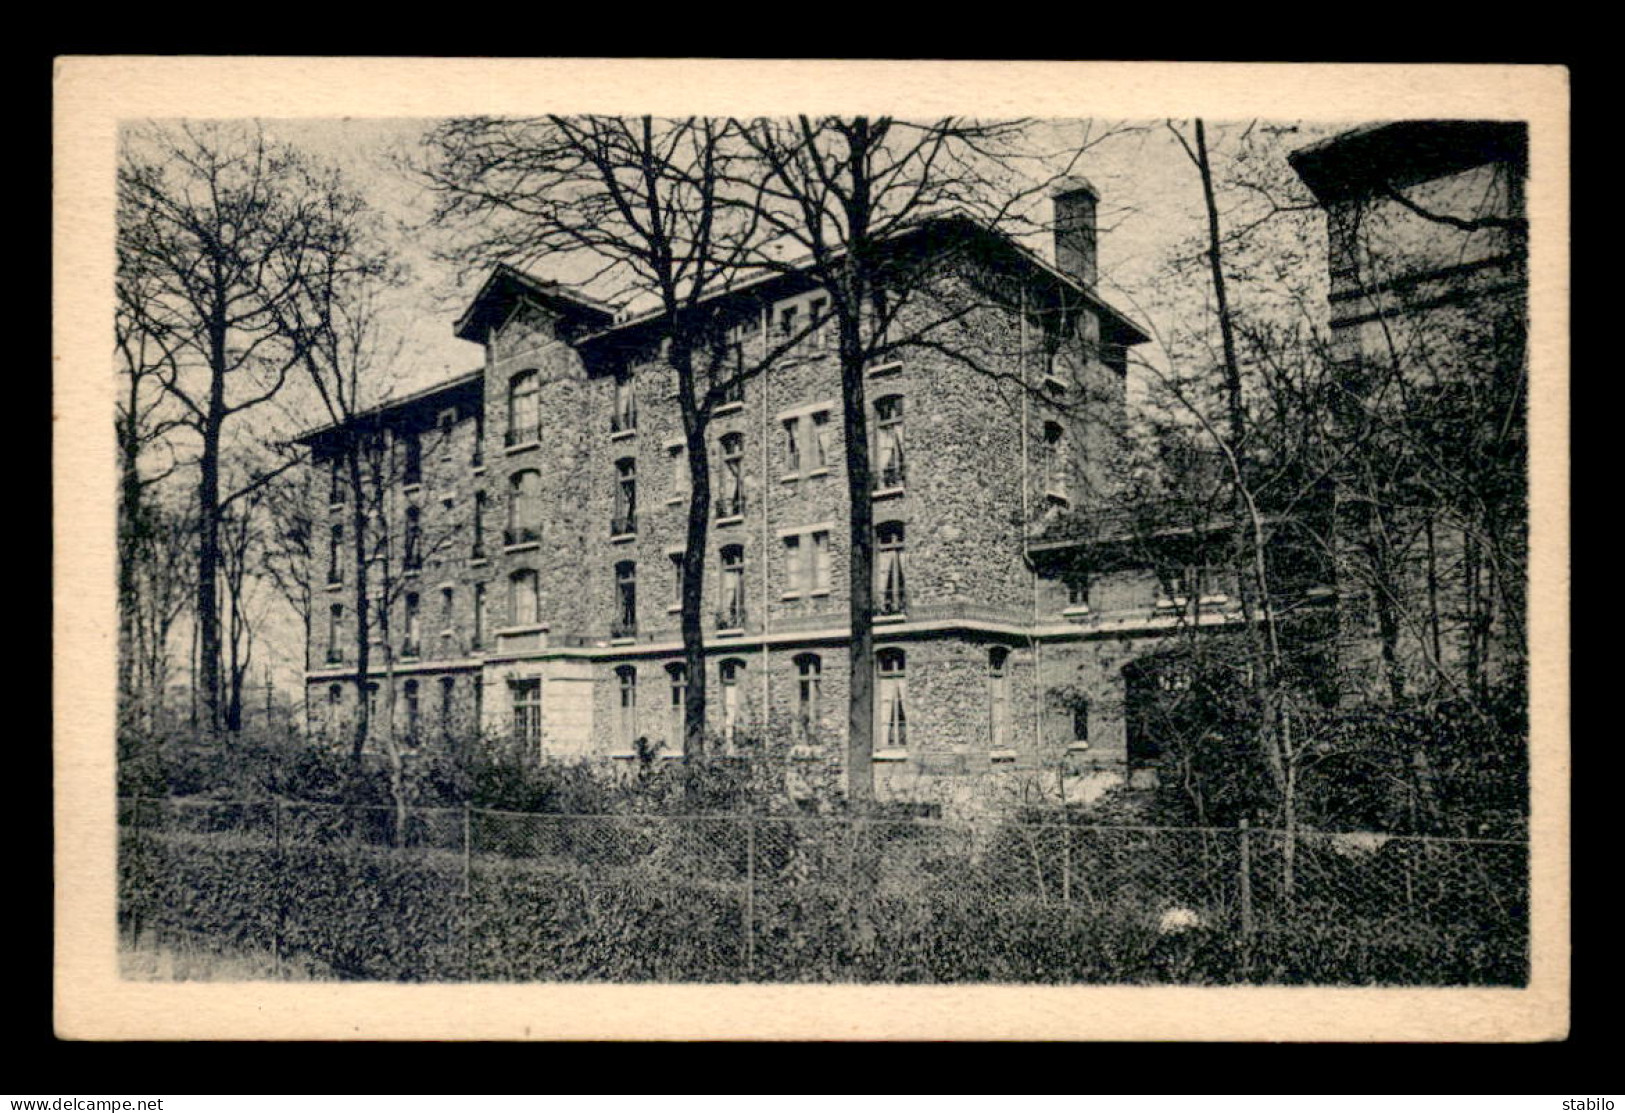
column 527, row 711
column 891, row 700
column 626, row 725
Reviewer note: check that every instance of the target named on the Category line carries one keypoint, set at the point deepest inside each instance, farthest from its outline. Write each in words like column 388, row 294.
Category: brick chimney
column 1075, row 200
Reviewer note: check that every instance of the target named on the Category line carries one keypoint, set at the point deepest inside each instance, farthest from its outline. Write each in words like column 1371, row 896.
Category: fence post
column 468, row 889
column 750, row 892
column 1246, row 880
column 281, row 885
column 1066, row 859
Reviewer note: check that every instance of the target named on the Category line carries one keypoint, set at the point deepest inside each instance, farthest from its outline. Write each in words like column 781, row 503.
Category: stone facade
column 569, row 439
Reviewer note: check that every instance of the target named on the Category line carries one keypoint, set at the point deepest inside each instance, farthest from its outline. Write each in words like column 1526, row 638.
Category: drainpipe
column 1026, row 517
column 766, row 487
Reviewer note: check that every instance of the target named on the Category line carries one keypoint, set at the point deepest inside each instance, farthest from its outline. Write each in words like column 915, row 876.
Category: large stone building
column 540, row 508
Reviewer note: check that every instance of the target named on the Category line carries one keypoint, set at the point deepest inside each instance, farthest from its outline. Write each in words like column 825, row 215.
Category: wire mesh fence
column 335, row 891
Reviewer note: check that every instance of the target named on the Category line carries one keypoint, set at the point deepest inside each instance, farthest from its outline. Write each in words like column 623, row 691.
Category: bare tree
column 646, row 207
column 841, row 193
column 217, row 229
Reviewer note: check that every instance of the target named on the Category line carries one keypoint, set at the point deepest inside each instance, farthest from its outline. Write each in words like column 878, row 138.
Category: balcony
column 623, row 525
column 888, row 478
column 731, row 616
column 731, row 506
column 521, row 535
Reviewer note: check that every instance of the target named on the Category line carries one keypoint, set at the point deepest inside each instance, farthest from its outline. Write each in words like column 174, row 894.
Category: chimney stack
column 1075, row 200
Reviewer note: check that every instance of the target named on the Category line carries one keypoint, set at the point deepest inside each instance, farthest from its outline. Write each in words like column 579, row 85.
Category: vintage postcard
column 695, row 549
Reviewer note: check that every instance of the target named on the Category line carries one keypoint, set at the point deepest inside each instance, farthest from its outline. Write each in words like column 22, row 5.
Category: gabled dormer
column 514, row 310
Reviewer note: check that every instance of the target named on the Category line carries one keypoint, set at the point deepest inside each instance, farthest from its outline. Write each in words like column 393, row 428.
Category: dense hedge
column 819, row 911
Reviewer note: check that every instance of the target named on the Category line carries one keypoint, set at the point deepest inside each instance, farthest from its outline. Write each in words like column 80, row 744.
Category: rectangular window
column 477, row 550
column 820, row 561
column 626, row 600
column 889, row 472
column 626, row 722
column 822, row 432
column 677, row 681
column 479, row 616
column 890, row 592
column 335, row 625
column 891, row 701
column 411, row 643
column 731, row 496
column 624, row 417
column 998, row 698
column 336, row 481
column 413, row 556
column 335, row 554
column 793, row 577
column 792, row 445
column 677, row 580
column 677, row 456
column 527, row 711
column 625, row 521
column 732, row 614
column 809, row 696
column 412, row 453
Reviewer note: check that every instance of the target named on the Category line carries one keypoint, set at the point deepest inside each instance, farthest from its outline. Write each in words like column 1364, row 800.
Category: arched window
column 732, row 614
column 677, row 685
column 626, row 600
column 335, row 707
column 891, row 700
column 524, row 603
column 998, row 698
column 626, row 498
column 888, row 463
column 523, row 414
column 524, row 508
column 891, row 597
column 809, row 694
column 732, row 674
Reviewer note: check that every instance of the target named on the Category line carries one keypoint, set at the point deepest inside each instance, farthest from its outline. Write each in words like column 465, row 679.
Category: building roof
column 1357, row 162
column 446, row 386
column 492, row 303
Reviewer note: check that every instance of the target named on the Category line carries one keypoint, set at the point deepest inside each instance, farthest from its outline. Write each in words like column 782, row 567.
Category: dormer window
column 524, row 398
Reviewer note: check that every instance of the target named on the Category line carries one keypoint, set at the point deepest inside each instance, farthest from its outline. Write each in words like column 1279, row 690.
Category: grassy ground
column 147, row 960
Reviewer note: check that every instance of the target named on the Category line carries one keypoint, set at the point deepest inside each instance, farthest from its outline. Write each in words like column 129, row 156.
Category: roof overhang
column 506, row 286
